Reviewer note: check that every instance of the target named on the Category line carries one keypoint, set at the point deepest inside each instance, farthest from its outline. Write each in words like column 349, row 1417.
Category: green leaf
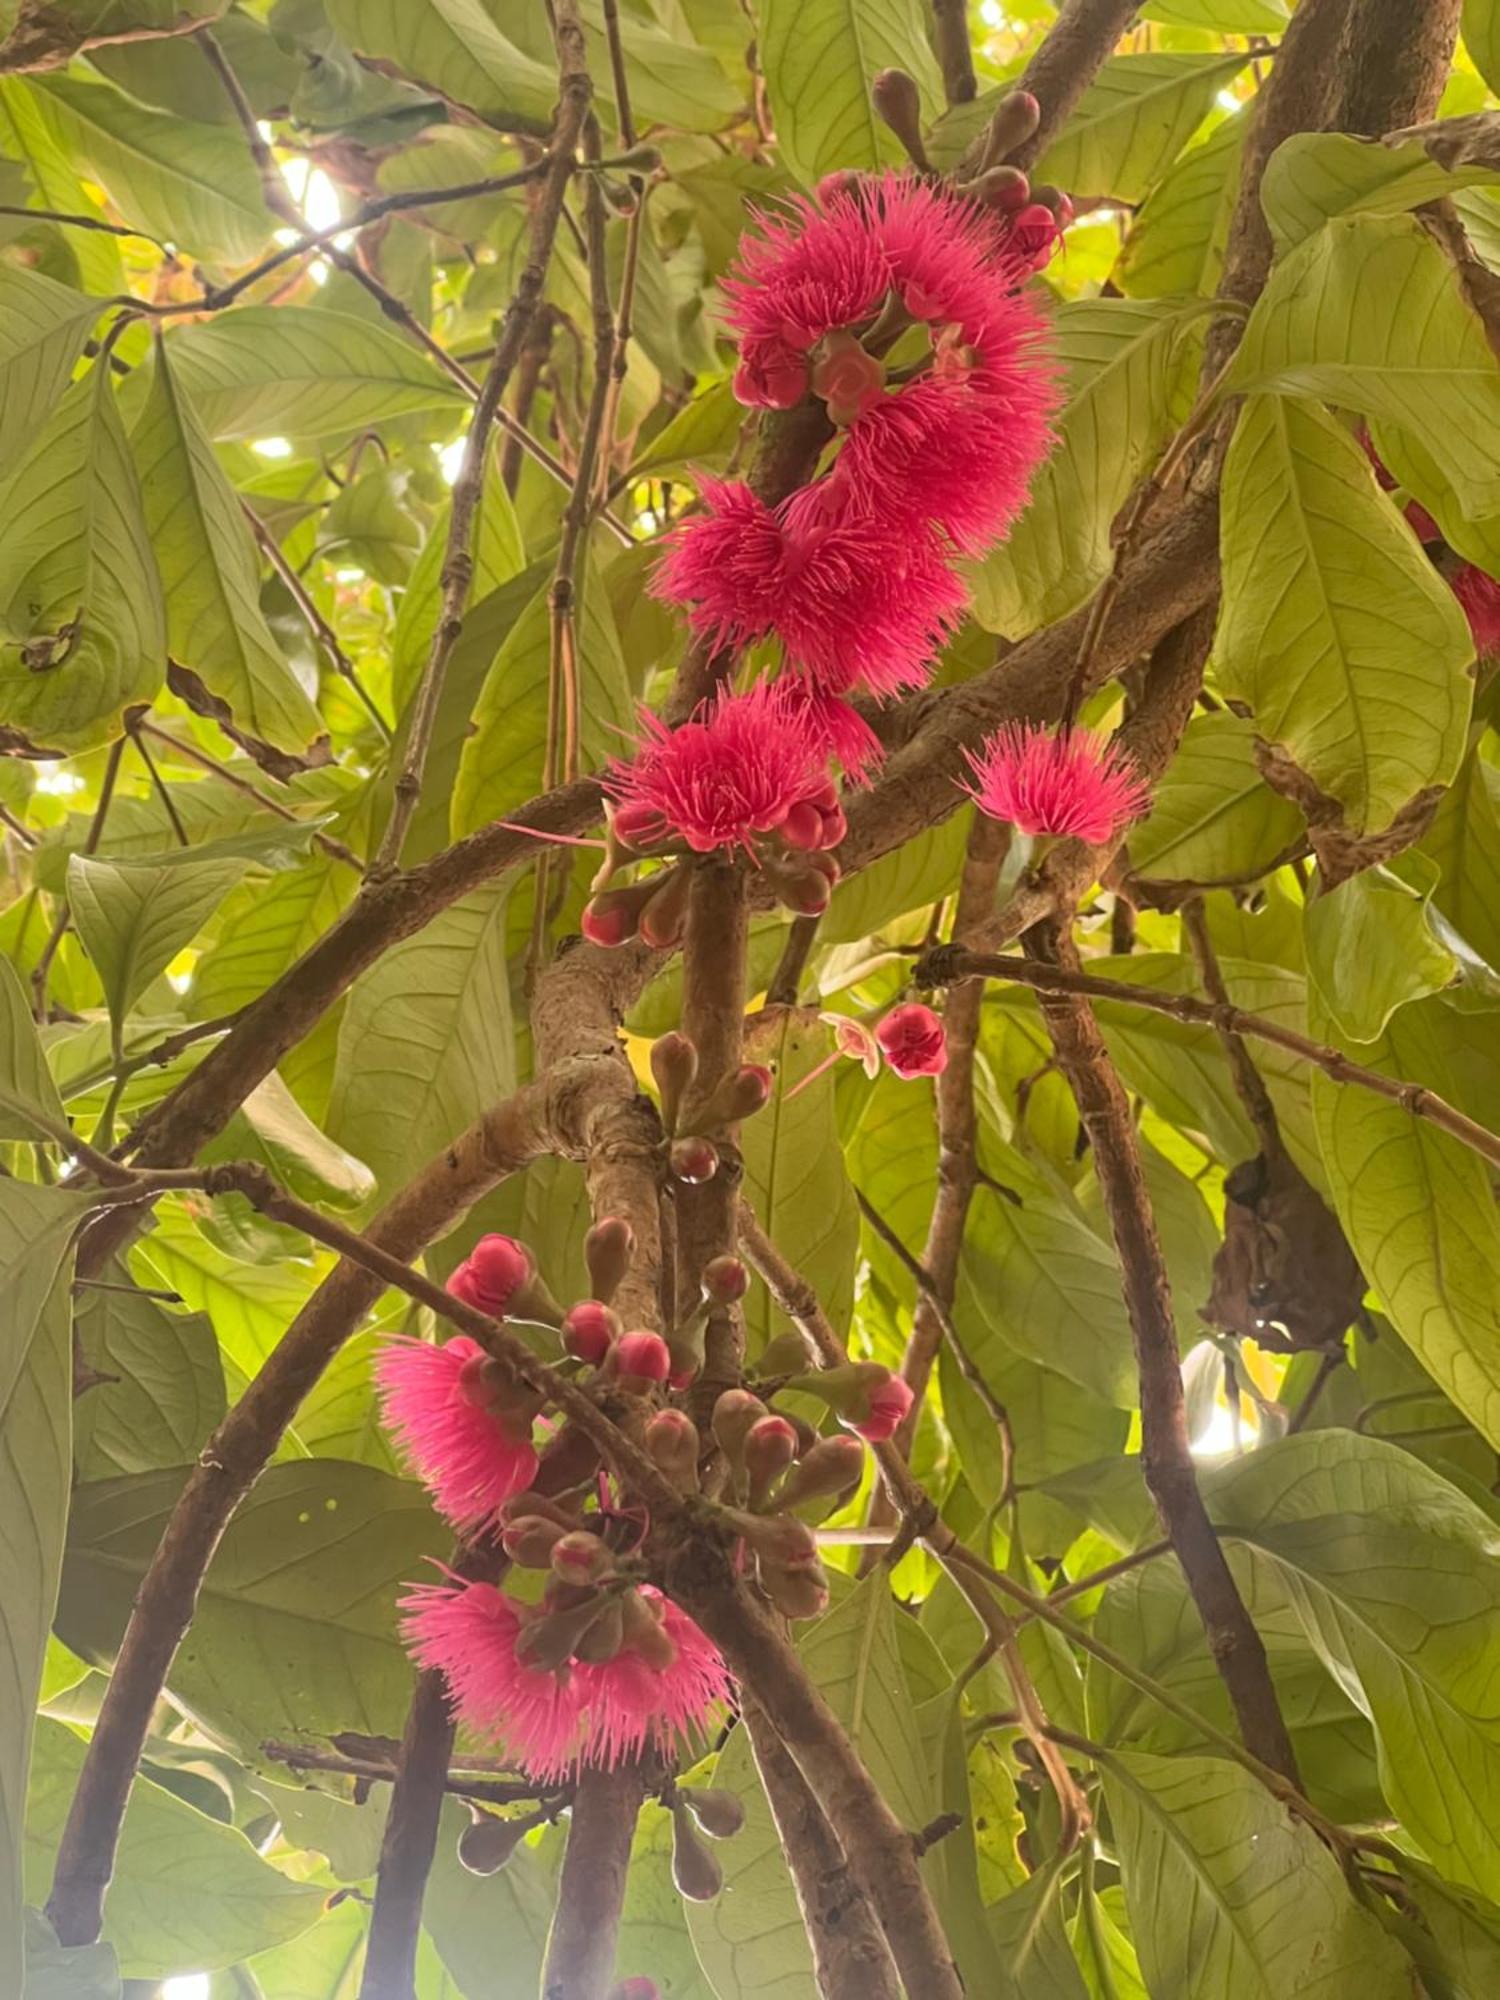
column 1481, row 26
column 295, row 1631
column 1419, row 1214
column 43, row 327
column 80, row 607
column 188, row 1893
column 819, row 58
column 270, row 1126
column 425, row 1040
column 168, row 1388
column 194, row 186
column 134, row 917
column 1336, row 629
column 503, row 758
column 324, row 1963
column 703, row 433
column 795, row 1179
column 1370, row 949
column 340, row 1418
column 27, row 135
column 209, row 575
column 61, row 1972
column 1133, row 121
column 367, row 528
column 1237, row 17
column 653, row 1924
column 1315, row 175
column 498, row 555
column 263, row 927
column 911, row 877
column 1176, row 243
column 481, row 1923
column 1458, row 1948
column 457, row 48
column 1413, row 467
column 1464, row 840
column 1213, row 817
column 1029, row 1931
column 1391, row 1571
column 1124, row 374
column 1228, row 1893
column 1323, row 327
column 1111, row 1970
column 259, row 371
column 250, row 1304
column 36, row 1400
column 29, row 1103
column 672, row 80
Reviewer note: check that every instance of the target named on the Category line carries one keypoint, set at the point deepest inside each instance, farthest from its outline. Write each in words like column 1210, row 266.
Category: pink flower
column 1046, row 783
column 853, row 1039
column 772, row 377
column 468, row 1633
column 854, row 600
column 492, row 1273
column 886, row 1405
column 911, row 1039
column 744, row 766
column 847, row 377
column 1479, row 594
column 631, row 1704
column 435, row 1404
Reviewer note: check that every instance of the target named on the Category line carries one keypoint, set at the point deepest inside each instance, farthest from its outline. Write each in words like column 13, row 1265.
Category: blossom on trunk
column 745, row 765
column 912, row 1042
column 436, row 1403
column 631, row 1704
column 1057, row 783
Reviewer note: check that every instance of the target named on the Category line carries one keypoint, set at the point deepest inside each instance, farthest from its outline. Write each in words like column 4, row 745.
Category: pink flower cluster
column 1476, row 590
column 854, row 574
column 1068, row 783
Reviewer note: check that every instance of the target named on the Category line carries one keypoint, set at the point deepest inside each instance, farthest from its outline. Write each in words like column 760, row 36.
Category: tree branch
column 950, row 21
column 1166, row 1459
column 1249, row 1084
column 591, row 1888
column 1080, row 41
column 409, row 1843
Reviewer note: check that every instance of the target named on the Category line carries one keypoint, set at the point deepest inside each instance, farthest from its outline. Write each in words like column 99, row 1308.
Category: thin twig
column 334, row 848
column 1249, row 1084
column 942, row 968
column 163, row 791
column 90, row 845
column 786, row 980
column 316, row 623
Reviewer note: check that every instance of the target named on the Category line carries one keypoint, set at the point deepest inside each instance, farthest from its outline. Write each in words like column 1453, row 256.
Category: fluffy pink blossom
column 912, row 1042
column 743, row 766
column 631, row 1704
column 1479, row 594
column 854, row 600
column 1067, row 783
column 584, row 1714
column 436, row 1405
column 468, row 1633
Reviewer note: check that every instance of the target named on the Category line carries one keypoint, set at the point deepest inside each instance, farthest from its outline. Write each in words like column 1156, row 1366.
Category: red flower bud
column 638, row 826
column 803, row 826
column 607, row 1251
column 834, row 1465
column 529, row 1540
column 725, row 1280
column 671, row 1441
column 665, row 915
column 611, row 918
column 674, row 1065
column 694, row 1161
column 580, row 1557
column 646, row 1632
column 589, row 1330
column 770, row 1446
column 492, row 1274
column 734, row 1413
column 641, row 1360
column 912, row 1041
column 741, row 1095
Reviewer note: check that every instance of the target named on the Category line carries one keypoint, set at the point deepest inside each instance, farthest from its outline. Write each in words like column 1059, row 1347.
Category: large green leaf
column 483, row 1923
column 1370, row 949
column 425, row 1043
column 1323, row 327
column 261, row 370
column 1230, row 1894
column 30, row 1106
column 1336, row 630
column 134, row 917
column 263, row 927
column 295, row 1632
column 1391, row 1570
column 498, row 556
column 194, row 186
column 1419, row 1214
column 1240, row 17
column 1314, row 175
column 819, row 57
column 1125, row 381
column 250, row 1305
column 188, row 1893
column 270, row 1126
column 457, row 48
column 503, row 757
column 1464, row 840
column 1033, row 1942
column 36, row 1399
column 27, row 136
column 1133, row 121
column 795, row 1178
column 209, row 575
column 42, row 330
column 67, row 1972
column 1176, row 243
column 1213, row 817
column 163, row 1390
column 80, row 607
column 1481, row 22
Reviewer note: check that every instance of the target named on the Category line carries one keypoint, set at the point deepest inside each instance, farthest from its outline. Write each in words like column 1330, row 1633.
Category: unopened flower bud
column 693, row 1161
column 781, row 1540
column 548, row 1640
column 607, row 1251
column 899, row 105
column 639, row 159
column 589, row 1329
column 488, row 1842
column 674, row 1065
column 612, row 917
column 796, row 1593
column 641, row 1361
column 637, row 826
column 604, row 1638
column 1012, row 123
column 841, row 184
column 725, row 1280
column 719, row 1813
column 665, row 916
column 734, row 1414
column 806, row 890
column 770, row 1446
column 802, row 828
column 832, row 1466
column 695, row 1871
column 493, row 1273
column 529, row 1541
column 580, row 1557
column 787, row 1354
column 671, row 1441
column 646, row 1632
column 1053, row 197
column 740, row 1096
column 1005, row 189
column 835, row 826
column 526, row 1506
column 688, row 1347
column 490, row 1384
column 864, row 1395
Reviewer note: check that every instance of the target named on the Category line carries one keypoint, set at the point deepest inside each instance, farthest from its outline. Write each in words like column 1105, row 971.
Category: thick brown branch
column 950, row 20
column 591, row 1889
column 1084, row 36
column 1166, row 1459
column 409, row 1844
column 1400, row 57
column 851, row 1960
